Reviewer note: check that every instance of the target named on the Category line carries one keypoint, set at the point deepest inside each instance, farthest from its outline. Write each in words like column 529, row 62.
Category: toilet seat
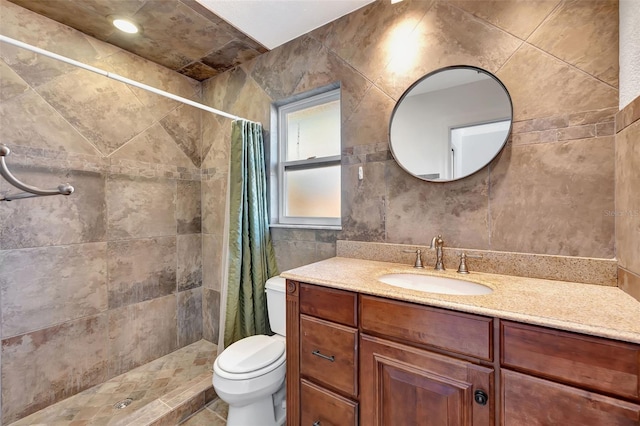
column 250, row 357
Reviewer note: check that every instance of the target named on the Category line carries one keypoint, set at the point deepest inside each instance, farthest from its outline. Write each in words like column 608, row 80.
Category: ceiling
column 186, row 36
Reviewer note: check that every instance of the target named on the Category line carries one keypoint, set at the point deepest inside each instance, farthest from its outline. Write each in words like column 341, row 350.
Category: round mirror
column 450, row 123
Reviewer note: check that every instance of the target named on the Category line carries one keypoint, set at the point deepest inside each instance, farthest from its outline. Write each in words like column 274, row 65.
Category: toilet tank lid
column 275, row 283
column 251, row 354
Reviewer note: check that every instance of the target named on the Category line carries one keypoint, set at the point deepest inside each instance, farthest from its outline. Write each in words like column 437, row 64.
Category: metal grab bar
column 30, row 191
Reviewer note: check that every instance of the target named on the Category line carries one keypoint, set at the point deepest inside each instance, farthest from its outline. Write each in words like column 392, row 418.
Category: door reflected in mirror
column 450, row 123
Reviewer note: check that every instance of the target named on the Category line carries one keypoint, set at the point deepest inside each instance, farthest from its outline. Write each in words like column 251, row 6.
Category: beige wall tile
column 45, row 286
column 518, row 17
column 445, row 36
column 39, row 126
column 183, row 124
column 627, row 206
column 105, row 112
column 188, row 206
column 55, row 220
column 585, row 35
column 214, row 204
column 189, row 261
column 142, row 332
column 10, row 83
column 553, row 198
column 189, row 316
column 210, row 315
column 154, row 145
column 552, row 87
column 140, row 207
column 140, row 270
column 48, row 365
column 212, row 261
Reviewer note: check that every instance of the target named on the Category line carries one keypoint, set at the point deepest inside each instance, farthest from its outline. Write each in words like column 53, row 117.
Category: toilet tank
column 275, row 289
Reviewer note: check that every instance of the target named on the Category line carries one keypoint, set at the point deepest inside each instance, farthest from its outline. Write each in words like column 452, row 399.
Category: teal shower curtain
column 251, row 256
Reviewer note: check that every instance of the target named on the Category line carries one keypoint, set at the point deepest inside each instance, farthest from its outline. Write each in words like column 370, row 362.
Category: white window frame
column 280, row 218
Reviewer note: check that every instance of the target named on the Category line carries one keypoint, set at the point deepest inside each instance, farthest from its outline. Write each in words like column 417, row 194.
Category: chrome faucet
column 438, row 243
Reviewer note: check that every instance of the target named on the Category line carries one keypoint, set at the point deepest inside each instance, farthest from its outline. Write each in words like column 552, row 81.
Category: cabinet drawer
column 328, row 354
column 456, row 332
column 328, row 303
column 531, row 401
column 595, row 363
column 324, row 408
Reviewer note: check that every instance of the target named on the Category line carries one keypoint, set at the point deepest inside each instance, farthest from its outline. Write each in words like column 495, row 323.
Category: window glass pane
column 313, row 192
column 314, row 132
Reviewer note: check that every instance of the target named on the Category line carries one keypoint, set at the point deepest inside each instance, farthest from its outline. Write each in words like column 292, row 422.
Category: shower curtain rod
column 117, row 77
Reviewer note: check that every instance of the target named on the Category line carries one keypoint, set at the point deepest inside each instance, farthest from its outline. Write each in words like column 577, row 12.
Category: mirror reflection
column 450, row 123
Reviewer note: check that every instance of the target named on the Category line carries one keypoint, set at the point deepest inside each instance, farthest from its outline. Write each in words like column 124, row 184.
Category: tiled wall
column 549, row 190
column 627, row 209
column 110, row 277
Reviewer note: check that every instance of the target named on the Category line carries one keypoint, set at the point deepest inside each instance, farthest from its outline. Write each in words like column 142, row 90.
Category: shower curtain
column 251, row 259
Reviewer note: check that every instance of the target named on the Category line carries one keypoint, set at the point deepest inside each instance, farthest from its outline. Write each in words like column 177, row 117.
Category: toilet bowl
column 249, row 375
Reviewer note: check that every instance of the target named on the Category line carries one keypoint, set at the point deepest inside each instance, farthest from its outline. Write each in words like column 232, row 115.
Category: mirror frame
column 420, row 80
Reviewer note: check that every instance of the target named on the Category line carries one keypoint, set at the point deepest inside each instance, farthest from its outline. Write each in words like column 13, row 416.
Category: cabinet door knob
column 328, row 358
column 481, row 397
column 316, row 423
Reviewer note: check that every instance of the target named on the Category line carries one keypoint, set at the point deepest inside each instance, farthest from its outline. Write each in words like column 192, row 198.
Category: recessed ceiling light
column 125, row 25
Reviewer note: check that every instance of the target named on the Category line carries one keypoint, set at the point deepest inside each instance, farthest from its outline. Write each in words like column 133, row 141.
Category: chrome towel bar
column 30, row 191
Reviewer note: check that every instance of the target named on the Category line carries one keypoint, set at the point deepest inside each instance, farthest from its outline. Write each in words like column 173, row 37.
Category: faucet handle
column 462, row 268
column 418, row 263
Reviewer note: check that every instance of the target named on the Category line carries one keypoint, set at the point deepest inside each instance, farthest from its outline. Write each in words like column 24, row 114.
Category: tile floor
column 185, row 373
column 214, row 414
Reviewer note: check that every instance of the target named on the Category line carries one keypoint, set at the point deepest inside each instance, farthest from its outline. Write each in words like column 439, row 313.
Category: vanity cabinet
column 355, row 359
column 551, row 377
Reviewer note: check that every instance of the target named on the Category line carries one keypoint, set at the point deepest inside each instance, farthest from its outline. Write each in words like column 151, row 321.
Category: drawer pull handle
column 316, row 423
column 328, row 358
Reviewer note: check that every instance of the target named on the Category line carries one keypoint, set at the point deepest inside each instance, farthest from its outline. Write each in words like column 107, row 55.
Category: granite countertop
column 584, row 308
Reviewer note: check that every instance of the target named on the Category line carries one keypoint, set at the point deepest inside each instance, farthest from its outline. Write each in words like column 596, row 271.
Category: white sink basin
column 432, row 284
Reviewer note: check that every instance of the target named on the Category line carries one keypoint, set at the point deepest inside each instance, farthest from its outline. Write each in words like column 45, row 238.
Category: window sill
column 292, row 226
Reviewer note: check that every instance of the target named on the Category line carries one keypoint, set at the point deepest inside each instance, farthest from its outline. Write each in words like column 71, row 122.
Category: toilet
column 249, row 374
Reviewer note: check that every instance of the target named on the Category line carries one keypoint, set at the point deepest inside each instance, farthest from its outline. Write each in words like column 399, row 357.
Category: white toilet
column 249, row 374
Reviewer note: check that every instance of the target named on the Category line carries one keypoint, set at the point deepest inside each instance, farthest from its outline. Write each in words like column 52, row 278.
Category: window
column 308, row 166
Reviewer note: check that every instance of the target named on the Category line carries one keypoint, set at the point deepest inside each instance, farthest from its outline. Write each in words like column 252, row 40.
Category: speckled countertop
column 584, row 308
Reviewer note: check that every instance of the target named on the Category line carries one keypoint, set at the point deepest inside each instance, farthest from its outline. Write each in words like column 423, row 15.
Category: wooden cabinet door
column 405, row 386
column 531, row 401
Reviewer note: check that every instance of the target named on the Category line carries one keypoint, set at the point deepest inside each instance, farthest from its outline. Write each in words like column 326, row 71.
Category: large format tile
column 585, row 35
column 370, row 37
column 140, row 270
column 188, row 210
column 210, row 314
column 328, row 68
column 189, row 258
column 279, row 71
column 518, row 17
column 369, row 123
column 627, row 206
column 140, row 207
column 54, row 220
column 44, row 286
column 10, row 83
column 104, row 111
column 30, row 121
column 141, row 332
column 363, row 202
column 154, row 145
column 212, row 247
column 183, row 124
column 189, row 316
column 445, row 36
column 552, row 87
column 26, row 26
column 48, row 365
column 214, row 204
column 418, row 211
column 553, row 199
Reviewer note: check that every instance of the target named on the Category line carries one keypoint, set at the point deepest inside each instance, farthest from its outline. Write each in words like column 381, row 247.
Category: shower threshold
column 164, row 391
